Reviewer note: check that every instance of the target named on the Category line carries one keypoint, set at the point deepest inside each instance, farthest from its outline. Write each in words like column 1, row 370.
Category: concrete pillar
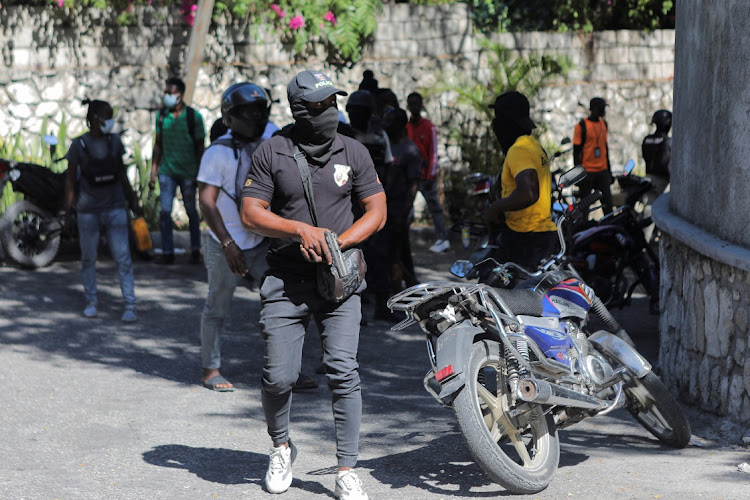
column 705, row 247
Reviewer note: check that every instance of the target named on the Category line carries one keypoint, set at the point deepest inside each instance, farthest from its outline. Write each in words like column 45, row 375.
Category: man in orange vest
column 591, row 152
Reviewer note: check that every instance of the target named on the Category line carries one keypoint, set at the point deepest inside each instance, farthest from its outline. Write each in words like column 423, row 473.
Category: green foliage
column 342, row 26
column 572, row 15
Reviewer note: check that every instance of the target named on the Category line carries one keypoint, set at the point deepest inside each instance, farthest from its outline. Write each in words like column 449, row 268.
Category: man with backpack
column 591, row 152
column 178, row 147
column 230, row 251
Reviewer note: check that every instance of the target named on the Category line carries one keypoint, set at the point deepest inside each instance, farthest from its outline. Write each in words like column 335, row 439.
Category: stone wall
column 52, row 58
column 704, row 330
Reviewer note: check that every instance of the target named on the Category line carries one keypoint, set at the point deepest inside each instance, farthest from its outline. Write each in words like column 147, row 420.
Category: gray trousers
column 288, row 306
column 221, row 285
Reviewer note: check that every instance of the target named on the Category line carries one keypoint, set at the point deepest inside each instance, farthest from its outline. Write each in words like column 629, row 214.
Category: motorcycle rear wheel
column 25, row 237
column 522, row 464
column 657, row 411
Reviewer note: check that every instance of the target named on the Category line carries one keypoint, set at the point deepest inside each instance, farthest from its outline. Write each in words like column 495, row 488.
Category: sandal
column 213, row 382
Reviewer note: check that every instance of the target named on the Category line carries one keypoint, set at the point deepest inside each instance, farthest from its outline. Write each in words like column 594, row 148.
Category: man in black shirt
column 340, row 169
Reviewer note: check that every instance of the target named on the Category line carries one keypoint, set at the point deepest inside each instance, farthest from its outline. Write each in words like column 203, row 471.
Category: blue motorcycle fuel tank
column 550, row 335
column 566, row 299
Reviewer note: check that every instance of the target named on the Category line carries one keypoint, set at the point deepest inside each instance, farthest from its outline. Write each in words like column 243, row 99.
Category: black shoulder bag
column 337, row 282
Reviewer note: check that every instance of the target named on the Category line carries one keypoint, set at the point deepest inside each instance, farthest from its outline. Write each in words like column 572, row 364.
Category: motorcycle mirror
column 566, row 140
column 571, row 177
column 461, row 268
column 629, row 166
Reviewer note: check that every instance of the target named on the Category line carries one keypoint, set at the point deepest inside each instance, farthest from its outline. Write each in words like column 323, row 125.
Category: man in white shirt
column 230, row 251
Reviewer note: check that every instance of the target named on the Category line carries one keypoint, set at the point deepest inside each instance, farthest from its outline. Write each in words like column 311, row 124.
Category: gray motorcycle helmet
column 244, row 94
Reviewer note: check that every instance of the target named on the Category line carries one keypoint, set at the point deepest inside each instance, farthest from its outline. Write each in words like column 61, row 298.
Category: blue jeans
column 221, row 284
column 429, row 191
column 115, row 223
column 288, row 306
column 168, row 189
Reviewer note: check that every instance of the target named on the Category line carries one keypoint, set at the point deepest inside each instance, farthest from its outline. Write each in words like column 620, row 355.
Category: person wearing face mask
column 274, row 204
column 230, row 251
column 178, row 147
column 523, row 213
column 97, row 174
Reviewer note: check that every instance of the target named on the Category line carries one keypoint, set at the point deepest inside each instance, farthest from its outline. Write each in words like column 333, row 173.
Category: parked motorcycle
column 612, row 254
column 517, row 364
column 31, row 229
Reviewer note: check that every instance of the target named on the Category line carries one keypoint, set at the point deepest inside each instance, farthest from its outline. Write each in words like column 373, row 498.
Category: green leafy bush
column 342, row 26
column 572, row 15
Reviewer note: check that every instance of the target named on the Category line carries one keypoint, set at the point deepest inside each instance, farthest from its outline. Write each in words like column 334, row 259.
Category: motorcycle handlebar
column 589, row 200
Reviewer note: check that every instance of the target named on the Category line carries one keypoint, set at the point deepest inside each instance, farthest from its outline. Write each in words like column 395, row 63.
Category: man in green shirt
column 179, row 144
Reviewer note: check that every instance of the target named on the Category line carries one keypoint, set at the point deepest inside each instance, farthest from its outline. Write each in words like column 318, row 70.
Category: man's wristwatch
column 227, row 243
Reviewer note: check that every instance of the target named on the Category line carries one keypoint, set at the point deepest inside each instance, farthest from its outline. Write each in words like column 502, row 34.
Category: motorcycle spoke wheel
column 25, row 235
column 657, row 411
column 518, row 451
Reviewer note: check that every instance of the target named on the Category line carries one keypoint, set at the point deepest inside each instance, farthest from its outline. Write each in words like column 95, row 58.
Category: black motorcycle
column 613, row 255
column 31, row 229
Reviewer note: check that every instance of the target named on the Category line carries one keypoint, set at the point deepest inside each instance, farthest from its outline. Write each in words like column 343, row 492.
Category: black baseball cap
column 597, row 102
column 311, row 86
column 514, row 106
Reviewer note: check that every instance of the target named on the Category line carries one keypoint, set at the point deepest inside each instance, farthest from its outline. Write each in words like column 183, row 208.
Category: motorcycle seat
column 522, row 301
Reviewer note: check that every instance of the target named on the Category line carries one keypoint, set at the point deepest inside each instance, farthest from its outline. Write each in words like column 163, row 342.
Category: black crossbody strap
column 304, row 172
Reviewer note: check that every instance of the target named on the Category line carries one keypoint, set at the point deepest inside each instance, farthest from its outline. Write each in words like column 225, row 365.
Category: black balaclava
column 315, row 131
column 359, row 117
column 507, row 132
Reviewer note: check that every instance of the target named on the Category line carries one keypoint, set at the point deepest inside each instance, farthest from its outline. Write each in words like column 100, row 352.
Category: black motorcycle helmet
column 663, row 120
column 245, row 108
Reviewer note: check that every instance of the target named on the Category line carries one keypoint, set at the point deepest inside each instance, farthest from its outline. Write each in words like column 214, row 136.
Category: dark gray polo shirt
column 274, row 177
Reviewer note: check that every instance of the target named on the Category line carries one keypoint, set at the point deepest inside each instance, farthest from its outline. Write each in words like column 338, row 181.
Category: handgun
column 336, row 257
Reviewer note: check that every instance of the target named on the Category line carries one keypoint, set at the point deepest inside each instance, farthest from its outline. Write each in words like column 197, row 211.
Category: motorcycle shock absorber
column 515, row 370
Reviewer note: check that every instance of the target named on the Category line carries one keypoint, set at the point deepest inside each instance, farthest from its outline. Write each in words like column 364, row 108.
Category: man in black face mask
column 341, row 170
column 527, row 233
column 230, row 250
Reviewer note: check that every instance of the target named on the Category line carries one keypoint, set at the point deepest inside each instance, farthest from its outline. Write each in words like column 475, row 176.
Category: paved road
column 97, row 409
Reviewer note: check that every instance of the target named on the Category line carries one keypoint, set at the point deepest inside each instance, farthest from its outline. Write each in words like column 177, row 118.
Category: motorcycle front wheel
column 520, row 452
column 26, row 237
column 657, row 411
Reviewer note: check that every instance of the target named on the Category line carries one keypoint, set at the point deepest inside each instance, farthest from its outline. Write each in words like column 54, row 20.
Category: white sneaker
column 349, row 487
column 90, row 311
column 440, row 246
column 279, row 475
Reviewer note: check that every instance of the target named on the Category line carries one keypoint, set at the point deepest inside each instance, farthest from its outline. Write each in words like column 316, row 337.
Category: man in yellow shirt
column 527, row 233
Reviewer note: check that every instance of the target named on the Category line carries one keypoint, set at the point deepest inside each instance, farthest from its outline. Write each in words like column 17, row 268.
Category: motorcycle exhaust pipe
column 542, row 392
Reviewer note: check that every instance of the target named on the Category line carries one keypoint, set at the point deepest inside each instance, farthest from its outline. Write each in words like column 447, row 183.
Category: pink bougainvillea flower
column 330, row 18
column 60, row 3
column 297, row 22
column 188, row 11
column 277, row 10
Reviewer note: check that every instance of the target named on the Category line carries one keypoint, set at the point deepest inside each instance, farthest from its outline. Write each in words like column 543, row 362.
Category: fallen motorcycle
column 518, row 364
